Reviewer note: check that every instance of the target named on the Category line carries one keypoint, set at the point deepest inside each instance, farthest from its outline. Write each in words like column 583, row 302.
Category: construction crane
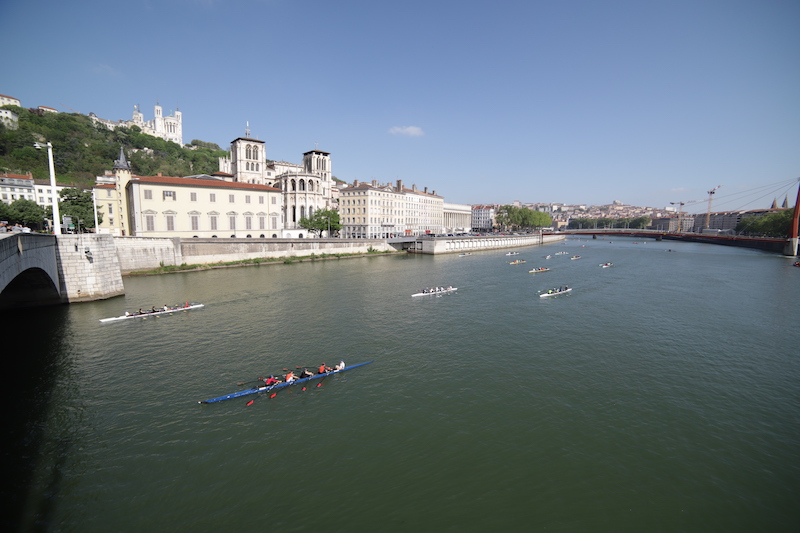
column 680, row 211
column 710, row 196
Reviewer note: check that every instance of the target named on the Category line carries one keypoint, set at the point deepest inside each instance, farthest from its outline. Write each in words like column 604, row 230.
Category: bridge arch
column 28, row 270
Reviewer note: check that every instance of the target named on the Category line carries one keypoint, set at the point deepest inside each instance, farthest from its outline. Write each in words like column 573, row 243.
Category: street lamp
column 56, row 214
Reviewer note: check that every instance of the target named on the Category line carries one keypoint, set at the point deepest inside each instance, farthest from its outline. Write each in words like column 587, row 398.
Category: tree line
column 521, row 218
column 603, row 223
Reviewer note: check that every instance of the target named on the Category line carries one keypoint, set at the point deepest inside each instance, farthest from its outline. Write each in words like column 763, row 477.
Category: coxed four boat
column 146, row 314
column 256, row 390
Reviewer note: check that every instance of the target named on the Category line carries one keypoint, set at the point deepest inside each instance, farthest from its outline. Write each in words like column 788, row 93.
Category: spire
column 122, row 162
column 774, row 203
column 785, row 202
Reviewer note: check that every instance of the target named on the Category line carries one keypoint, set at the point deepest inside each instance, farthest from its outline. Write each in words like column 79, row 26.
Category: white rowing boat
column 146, row 314
column 549, row 294
column 431, row 292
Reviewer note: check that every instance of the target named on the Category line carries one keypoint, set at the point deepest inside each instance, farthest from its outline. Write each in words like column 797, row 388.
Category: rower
column 272, row 380
column 290, row 377
column 340, row 366
column 305, row 374
column 323, row 369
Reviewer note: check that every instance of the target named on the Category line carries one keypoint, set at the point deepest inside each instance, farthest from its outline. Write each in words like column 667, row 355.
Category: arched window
column 302, row 211
column 256, row 167
column 302, row 185
column 294, row 185
column 248, row 152
column 255, row 152
column 310, row 185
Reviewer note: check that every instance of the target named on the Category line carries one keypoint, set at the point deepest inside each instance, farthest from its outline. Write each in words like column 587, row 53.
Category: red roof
column 195, row 182
column 17, row 176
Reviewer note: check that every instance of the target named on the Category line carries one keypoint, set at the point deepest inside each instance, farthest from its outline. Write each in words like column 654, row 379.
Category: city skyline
column 579, row 103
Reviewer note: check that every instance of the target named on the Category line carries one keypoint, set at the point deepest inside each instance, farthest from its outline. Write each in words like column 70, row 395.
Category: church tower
column 248, row 159
column 122, row 170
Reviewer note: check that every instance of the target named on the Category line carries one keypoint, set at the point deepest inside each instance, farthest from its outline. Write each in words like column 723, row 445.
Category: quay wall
column 146, row 253
column 451, row 245
column 88, row 267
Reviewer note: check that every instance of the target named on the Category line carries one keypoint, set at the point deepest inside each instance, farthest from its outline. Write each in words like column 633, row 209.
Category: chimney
column 399, row 185
column 374, row 183
column 414, row 187
column 426, row 190
column 355, row 183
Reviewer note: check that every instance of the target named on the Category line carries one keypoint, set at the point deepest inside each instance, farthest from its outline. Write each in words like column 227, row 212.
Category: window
column 148, row 194
column 213, row 221
column 170, row 223
column 212, row 197
column 110, row 209
column 261, row 199
column 248, row 222
column 170, row 195
column 247, row 199
column 274, row 200
column 232, row 222
column 150, row 222
column 261, row 222
column 193, row 196
column 195, row 223
column 231, row 199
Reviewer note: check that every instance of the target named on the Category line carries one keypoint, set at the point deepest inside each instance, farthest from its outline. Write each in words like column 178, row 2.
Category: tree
column 28, row 213
column 509, row 216
column 771, row 225
column 322, row 221
column 78, row 204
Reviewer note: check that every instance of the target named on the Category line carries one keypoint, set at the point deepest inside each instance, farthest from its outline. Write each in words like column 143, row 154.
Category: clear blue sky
column 574, row 101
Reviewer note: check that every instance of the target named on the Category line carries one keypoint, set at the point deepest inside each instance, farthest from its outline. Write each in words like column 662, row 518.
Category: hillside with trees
column 83, row 150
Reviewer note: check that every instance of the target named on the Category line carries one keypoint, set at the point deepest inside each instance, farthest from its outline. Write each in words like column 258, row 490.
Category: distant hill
column 83, row 150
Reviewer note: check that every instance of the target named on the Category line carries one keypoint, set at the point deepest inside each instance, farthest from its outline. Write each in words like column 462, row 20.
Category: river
column 662, row 394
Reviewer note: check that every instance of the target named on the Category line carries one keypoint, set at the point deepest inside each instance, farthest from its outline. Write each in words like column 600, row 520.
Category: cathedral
column 169, row 128
column 306, row 188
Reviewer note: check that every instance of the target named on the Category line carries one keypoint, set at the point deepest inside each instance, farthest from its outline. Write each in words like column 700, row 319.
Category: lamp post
column 56, row 214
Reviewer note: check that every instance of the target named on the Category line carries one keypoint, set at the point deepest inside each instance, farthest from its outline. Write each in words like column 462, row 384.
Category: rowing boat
column 542, row 269
column 153, row 313
column 549, row 294
column 436, row 291
column 257, row 390
column 517, row 262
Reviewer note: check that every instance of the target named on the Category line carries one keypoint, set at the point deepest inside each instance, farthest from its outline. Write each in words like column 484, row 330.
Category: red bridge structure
column 786, row 246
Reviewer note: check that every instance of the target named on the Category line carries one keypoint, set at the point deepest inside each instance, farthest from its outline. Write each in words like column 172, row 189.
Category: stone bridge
column 38, row 269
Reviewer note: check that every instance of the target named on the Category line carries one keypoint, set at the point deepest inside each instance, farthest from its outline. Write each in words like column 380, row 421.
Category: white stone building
column 483, row 217
column 169, row 128
column 379, row 211
column 194, row 206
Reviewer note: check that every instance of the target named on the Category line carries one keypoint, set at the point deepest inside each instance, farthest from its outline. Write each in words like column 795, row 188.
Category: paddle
column 254, row 381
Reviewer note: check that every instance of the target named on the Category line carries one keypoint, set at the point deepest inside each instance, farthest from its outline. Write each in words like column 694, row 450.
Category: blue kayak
column 256, row 390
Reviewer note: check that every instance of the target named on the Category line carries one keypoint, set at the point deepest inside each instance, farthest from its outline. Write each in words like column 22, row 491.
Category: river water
column 662, row 394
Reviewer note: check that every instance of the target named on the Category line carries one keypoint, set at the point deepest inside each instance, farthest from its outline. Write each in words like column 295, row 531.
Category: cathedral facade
column 306, row 188
column 169, row 128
